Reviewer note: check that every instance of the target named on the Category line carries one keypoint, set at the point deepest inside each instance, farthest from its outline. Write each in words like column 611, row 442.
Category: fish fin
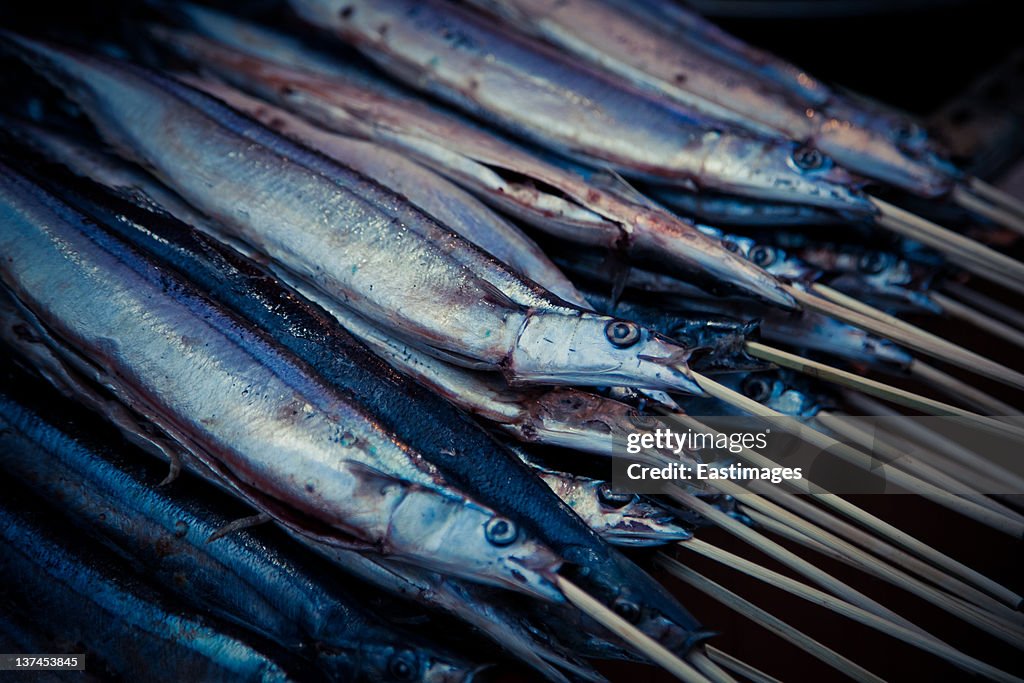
column 611, row 182
column 238, row 525
column 173, row 468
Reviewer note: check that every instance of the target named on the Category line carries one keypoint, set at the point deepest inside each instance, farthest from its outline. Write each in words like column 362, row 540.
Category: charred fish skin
column 177, row 357
column 289, row 203
column 93, row 599
column 249, row 577
column 465, row 454
column 455, row 55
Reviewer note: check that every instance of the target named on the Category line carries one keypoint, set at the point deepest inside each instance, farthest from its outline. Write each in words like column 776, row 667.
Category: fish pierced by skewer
column 169, row 354
column 353, row 102
column 249, row 577
column 441, row 434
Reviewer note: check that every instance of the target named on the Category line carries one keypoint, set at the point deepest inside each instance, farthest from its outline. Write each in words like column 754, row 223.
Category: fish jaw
column 875, row 154
column 669, row 240
column 476, row 544
column 780, row 171
column 576, row 348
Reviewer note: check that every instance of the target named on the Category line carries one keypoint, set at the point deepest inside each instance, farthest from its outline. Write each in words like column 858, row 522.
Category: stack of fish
column 382, row 289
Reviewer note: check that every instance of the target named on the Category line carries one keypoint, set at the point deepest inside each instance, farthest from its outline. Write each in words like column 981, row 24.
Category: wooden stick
column 714, row 673
column 995, row 195
column 768, row 621
column 977, row 258
column 979, row 320
column 996, row 214
column 738, row 666
column 872, row 387
column 944, row 490
column 788, row 558
column 631, row 634
column 939, row 444
column 803, row 591
column 912, row 336
column 793, row 528
column 955, row 387
column 878, row 526
column 1000, row 310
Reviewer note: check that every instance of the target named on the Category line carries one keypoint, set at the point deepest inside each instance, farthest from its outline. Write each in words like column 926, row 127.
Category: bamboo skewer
column 769, row 621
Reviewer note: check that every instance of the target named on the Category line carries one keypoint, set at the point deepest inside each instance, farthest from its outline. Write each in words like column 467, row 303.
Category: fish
column 297, row 208
column 623, row 519
column 432, row 426
column 644, row 52
column 169, row 354
column 537, row 93
column 252, row 577
column 518, row 181
column 126, row 624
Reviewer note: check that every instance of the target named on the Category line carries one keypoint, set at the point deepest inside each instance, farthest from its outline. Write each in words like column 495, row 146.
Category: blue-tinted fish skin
column 466, row 455
column 89, row 597
column 254, row 578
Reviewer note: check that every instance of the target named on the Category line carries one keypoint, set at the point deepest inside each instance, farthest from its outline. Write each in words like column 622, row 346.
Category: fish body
column 250, row 577
column 460, row 450
column 537, row 93
column 239, row 403
column 132, row 629
column 643, row 51
column 363, row 245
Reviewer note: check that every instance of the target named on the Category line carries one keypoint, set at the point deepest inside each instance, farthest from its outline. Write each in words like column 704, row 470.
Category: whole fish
column 537, row 93
column 359, row 243
column 249, row 577
column 240, row 404
column 351, row 101
column 622, row 519
column 908, row 134
column 461, row 450
column 643, row 51
column 89, row 597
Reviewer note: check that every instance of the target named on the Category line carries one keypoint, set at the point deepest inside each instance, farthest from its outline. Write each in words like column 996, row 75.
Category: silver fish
column 231, row 399
column 362, row 245
column 539, row 94
column 503, row 174
column 643, row 51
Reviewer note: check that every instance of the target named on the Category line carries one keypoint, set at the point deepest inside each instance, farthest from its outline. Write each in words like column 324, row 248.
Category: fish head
column 588, row 349
column 779, row 171
column 887, row 151
column 773, row 259
column 629, row 520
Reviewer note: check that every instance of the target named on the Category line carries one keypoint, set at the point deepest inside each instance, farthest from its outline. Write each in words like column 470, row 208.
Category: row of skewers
column 291, row 263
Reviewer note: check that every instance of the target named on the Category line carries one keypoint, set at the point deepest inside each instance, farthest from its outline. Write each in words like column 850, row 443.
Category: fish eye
column 730, row 246
column 500, row 531
column 613, row 499
column 403, row 666
column 757, row 388
column 627, row 609
column 622, row 334
column 873, row 262
column 763, row 255
column 808, row 159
